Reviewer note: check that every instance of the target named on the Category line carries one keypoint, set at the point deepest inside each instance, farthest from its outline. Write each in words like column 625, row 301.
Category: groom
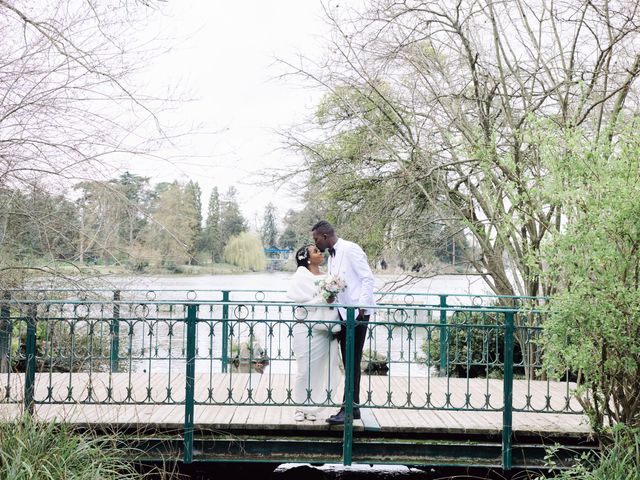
column 348, row 261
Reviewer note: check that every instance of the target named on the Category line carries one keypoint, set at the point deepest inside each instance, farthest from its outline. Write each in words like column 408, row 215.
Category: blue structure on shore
column 277, row 257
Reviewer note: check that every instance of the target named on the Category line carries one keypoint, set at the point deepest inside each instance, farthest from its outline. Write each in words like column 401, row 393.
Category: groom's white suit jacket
column 350, row 264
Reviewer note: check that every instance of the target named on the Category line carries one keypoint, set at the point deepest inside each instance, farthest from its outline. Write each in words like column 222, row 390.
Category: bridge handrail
column 257, row 290
column 505, row 332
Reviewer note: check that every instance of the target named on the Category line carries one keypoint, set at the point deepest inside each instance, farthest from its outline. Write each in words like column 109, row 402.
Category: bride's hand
column 331, row 299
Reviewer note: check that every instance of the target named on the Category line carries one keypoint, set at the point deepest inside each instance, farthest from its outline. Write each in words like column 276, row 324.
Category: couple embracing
column 321, row 331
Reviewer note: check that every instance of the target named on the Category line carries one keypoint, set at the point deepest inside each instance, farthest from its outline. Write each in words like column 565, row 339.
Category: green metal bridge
column 208, row 376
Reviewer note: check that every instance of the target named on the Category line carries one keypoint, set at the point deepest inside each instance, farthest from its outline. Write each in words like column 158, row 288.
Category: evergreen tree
column 269, row 228
column 288, row 239
column 192, row 211
column 135, row 196
column 101, row 213
column 174, row 230
column 232, row 222
column 297, row 225
column 211, row 236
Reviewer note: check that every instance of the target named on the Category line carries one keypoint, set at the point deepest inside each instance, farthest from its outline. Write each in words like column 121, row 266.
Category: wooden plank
column 240, row 416
column 204, row 382
column 218, row 383
column 369, row 420
column 272, row 416
column 205, row 415
column 433, row 421
column 277, row 417
column 237, row 388
column 252, row 415
column 550, row 423
column 379, row 387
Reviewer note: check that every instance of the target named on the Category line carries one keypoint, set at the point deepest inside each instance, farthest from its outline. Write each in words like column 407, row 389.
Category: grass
column 618, row 460
column 52, row 451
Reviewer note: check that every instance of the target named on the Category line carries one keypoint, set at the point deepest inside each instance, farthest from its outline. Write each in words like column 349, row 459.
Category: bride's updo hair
column 302, row 256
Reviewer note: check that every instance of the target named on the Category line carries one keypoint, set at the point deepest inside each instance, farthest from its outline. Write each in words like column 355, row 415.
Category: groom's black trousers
column 360, row 336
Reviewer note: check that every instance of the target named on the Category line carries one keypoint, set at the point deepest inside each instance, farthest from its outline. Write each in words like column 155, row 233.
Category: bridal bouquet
column 331, row 286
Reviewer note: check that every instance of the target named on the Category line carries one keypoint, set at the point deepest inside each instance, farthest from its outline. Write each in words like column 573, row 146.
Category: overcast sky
column 223, row 56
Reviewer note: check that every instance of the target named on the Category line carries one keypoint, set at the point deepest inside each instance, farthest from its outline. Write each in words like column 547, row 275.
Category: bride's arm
column 303, row 290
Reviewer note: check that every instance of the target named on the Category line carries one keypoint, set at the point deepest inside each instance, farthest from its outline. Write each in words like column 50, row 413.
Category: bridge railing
column 192, row 353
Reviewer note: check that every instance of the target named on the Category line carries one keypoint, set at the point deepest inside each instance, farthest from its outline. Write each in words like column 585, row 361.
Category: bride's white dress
column 317, row 355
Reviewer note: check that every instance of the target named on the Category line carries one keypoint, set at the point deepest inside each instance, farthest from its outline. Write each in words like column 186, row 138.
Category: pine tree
column 269, row 228
column 232, row 222
column 211, row 236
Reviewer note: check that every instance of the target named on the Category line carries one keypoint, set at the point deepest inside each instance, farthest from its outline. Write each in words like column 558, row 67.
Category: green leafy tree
column 298, row 223
column 594, row 324
column 288, row 239
column 245, row 250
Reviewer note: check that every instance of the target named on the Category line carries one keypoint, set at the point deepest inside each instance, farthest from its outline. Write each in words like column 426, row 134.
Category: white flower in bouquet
column 330, row 286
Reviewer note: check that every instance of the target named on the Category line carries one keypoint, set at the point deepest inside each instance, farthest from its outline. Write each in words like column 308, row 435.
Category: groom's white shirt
column 350, row 264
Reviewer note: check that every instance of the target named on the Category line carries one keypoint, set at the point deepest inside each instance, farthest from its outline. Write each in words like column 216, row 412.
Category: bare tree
column 69, row 106
column 463, row 89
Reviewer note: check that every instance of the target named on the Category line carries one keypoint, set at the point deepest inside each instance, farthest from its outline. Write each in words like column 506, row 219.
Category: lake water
column 273, row 335
column 450, row 284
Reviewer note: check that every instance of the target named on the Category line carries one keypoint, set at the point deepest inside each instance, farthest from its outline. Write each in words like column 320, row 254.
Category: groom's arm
column 365, row 275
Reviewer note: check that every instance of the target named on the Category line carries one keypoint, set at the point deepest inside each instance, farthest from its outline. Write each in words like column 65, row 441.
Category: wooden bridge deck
column 274, row 418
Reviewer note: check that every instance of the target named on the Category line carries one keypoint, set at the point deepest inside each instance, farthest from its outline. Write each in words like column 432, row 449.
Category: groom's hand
column 360, row 314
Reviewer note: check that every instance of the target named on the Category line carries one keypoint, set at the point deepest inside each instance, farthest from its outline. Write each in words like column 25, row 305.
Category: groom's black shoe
column 338, row 418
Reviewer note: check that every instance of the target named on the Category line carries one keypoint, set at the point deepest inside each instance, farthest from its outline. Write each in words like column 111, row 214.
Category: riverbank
column 124, row 270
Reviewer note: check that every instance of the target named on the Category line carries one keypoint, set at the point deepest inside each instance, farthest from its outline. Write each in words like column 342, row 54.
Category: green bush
column 594, row 322
column 474, row 348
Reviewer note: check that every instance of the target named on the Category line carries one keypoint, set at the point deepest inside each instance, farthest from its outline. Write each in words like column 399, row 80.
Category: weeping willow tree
column 245, row 250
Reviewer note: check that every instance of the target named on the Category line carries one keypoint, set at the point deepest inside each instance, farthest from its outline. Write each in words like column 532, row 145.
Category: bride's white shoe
column 299, row 416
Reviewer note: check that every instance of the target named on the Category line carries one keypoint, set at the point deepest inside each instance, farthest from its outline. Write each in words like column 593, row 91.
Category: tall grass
column 619, row 460
column 52, row 451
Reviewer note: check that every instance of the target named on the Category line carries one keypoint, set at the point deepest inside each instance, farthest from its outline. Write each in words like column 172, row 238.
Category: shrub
column 594, row 325
column 245, row 250
column 617, row 460
column 475, row 348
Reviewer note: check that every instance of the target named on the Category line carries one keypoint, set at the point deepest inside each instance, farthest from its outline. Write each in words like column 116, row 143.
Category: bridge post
column 5, row 332
column 225, row 332
column 442, row 370
column 507, row 413
column 347, row 445
column 115, row 332
column 30, row 359
column 192, row 312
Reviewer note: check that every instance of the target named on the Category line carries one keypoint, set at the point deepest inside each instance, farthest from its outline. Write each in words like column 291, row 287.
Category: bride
column 317, row 358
